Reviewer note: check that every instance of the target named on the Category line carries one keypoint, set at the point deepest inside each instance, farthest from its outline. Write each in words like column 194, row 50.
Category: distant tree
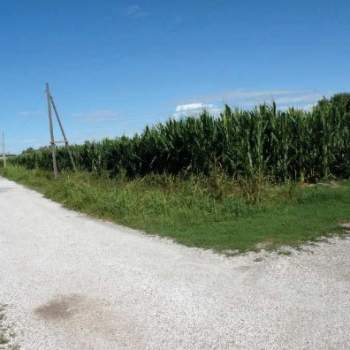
column 341, row 101
column 29, row 150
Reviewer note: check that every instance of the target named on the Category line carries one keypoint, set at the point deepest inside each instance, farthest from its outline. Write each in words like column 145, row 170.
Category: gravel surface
column 71, row 282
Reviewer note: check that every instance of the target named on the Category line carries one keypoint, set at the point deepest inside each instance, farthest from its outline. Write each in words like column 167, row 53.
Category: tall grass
column 248, row 145
column 203, row 211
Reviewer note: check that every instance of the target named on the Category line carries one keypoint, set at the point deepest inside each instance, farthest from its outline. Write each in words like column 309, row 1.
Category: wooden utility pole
column 3, row 149
column 52, row 136
column 51, row 105
column 65, row 140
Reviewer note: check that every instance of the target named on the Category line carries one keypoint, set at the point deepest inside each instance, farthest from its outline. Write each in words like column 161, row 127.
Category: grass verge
column 209, row 213
column 7, row 334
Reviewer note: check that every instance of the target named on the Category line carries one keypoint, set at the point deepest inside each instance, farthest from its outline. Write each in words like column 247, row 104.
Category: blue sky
column 115, row 66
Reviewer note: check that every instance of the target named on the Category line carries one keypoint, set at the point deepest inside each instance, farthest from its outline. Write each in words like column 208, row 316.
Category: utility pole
column 3, row 149
column 66, row 143
column 52, row 137
column 51, row 105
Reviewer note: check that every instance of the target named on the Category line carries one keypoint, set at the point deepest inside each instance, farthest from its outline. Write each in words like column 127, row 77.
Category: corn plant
column 250, row 144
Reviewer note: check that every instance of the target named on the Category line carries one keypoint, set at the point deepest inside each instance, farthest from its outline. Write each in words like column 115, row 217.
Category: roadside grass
column 215, row 213
column 7, row 335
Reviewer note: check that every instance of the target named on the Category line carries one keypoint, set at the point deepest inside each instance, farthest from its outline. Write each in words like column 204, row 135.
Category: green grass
column 7, row 335
column 202, row 212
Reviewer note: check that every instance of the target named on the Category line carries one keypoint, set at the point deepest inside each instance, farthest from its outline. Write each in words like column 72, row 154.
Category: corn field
column 279, row 145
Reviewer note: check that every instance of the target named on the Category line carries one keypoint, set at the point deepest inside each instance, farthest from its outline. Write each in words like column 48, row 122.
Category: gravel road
column 71, row 282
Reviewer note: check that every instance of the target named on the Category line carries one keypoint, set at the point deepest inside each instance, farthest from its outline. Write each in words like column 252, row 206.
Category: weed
column 188, row 210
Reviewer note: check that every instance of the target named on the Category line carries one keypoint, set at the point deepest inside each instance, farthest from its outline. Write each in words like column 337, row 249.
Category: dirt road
column 71, row 282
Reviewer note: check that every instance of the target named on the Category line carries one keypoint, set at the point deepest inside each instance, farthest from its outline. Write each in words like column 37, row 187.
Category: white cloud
column 309, row 106
column 194, row 109
column 193, row 106
column 303, row 99
column 104, row 115
column 135, row 11
column 250, row 98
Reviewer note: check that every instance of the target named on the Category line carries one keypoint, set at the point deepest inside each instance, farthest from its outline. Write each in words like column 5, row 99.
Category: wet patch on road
column 60, row 308
column 87, row 316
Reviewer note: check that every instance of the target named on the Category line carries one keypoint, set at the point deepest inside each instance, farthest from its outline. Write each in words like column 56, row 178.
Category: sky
column 116, row 66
